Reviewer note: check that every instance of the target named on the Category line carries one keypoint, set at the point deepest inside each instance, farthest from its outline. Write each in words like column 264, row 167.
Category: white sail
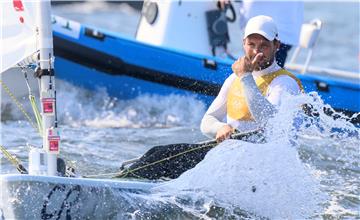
column 17, row 31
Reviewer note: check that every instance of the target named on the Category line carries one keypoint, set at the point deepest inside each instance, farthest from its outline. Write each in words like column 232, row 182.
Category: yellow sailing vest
column 237, row 107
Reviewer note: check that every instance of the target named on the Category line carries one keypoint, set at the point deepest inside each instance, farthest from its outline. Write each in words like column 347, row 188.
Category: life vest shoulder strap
column 264, row 81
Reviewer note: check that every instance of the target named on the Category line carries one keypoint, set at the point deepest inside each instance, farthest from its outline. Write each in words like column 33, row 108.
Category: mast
column 51, row 138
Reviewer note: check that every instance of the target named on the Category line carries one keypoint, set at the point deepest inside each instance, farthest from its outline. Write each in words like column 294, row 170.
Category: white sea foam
column 303, row 171
column 268, row 179
column 96, row 109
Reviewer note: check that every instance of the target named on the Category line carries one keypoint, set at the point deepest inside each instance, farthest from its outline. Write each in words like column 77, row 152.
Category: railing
column 308, row 38
column 328, row 72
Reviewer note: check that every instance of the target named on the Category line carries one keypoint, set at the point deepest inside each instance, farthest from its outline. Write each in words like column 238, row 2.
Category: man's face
column 256, row 43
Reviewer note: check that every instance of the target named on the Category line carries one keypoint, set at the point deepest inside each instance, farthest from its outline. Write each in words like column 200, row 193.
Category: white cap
column 263, row 25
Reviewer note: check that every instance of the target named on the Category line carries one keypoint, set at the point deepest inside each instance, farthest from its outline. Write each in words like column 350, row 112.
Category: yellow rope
column 8, row 155
column 36, row 113
column 124, row 174
column 11, row 158
column 21, row 107
column 210, row 144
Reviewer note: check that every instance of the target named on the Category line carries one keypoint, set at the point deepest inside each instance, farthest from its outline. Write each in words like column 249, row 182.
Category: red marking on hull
column 18, row 5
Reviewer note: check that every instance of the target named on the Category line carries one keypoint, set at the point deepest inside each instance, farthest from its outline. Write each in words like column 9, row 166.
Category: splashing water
column 101, row 111
column 265, row 179
column 281, row 178
column 80, row 107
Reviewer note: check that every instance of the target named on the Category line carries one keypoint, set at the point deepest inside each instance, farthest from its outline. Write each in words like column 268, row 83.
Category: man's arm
column 214, row 117
column 262, row 107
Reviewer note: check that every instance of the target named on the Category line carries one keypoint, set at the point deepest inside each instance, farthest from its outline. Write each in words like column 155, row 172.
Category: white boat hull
column 44, row 197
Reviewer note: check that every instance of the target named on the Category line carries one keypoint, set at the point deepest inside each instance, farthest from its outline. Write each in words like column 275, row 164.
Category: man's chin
column 263, row 66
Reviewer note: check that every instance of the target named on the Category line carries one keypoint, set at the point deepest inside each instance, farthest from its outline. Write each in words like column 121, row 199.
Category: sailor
column 250, row 95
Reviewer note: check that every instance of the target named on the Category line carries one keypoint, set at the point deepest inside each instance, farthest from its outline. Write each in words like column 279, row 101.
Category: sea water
column 310, row 170
column 306, row 171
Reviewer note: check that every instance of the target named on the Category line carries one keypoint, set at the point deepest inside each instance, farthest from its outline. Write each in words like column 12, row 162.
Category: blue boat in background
column 91, row 58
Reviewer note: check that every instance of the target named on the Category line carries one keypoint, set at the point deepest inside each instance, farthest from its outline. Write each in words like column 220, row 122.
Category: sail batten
column 18, row 38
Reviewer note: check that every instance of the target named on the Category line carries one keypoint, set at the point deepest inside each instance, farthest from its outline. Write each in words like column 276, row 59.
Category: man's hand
column 244, row 64
column 224, row 133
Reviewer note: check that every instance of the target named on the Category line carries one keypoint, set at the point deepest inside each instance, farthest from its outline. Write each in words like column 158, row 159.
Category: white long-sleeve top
column 261, row 107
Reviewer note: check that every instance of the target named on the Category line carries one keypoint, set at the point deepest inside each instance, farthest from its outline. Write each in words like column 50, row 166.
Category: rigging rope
column 38, row 125
column 13, row 160
column 124, row 173
column 19, row 105
column 23, row 65
column 207, row 144
column 10, row 157
column 33, row 103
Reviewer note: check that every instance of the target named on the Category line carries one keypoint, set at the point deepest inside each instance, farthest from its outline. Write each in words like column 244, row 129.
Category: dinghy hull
column 44, row 197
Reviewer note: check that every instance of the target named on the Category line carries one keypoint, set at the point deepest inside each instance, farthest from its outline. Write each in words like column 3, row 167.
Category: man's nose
column 257, row 50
